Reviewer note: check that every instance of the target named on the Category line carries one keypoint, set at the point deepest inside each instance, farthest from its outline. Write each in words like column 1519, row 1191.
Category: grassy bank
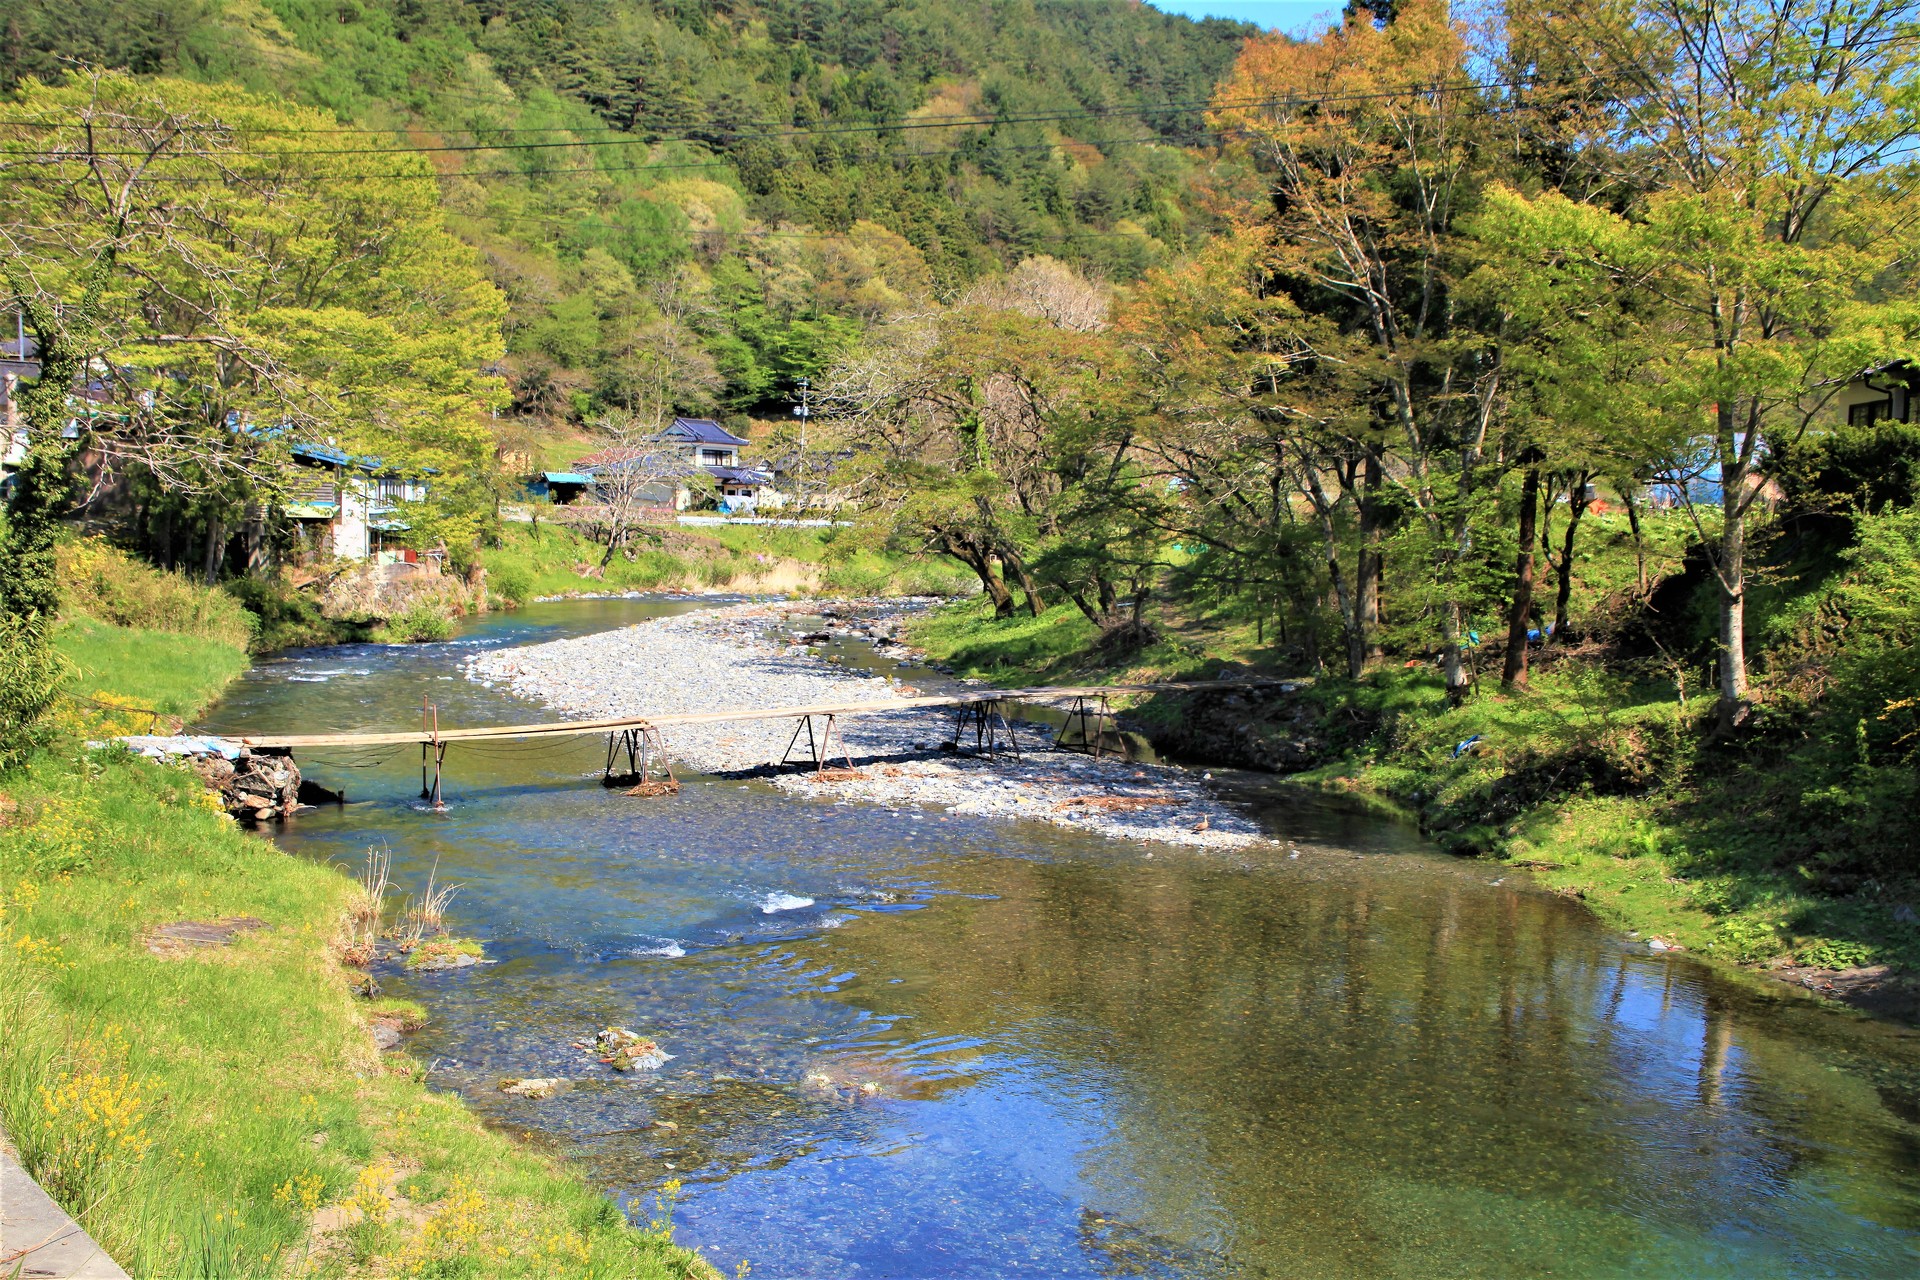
column 221, row 1111
column 1603, row 780
column 551, row 559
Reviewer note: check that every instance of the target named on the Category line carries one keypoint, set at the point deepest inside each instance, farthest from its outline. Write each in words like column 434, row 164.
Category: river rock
column 532, row 1088
column 743, row 657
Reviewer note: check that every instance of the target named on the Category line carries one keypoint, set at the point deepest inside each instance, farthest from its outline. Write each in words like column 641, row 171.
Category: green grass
column 167, row 672
column 194, row 1110
column 530, row 563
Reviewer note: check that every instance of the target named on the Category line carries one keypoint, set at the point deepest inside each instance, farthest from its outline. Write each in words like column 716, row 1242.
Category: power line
column 978, row 119
column 894, row 157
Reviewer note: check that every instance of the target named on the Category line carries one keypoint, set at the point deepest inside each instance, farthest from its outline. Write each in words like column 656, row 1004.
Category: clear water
column 1092, row 1058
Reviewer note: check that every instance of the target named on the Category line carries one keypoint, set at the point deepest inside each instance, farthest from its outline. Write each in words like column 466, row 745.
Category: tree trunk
column 1514, row 673
column 1036, row 605
column 1733, row 605
column 982, row 565
column 216, row 550
column 1576, row 507
column 1371, row 566
column 1639, row 540
column 1452, row 660
column 255, row 540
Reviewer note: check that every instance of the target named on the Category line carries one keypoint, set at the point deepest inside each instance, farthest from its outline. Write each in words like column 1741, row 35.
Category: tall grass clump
column 106, row 583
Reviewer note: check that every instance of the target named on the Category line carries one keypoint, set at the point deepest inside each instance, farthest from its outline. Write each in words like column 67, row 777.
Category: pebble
column 749, row 656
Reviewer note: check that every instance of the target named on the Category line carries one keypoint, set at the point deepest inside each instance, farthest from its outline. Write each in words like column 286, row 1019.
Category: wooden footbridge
column 641, row 741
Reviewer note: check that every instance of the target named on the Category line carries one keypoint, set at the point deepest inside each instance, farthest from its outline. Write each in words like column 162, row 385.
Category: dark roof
column 702, row 431
column 739, row 475
column 10, row 348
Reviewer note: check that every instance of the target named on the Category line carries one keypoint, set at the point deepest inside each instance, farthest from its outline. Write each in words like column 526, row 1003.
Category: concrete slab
column 38, row 1241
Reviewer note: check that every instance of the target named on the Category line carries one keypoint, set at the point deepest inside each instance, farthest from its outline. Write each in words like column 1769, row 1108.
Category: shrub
column 422, row 620
column 31, row 672
column 511, row 584
column 112, row 586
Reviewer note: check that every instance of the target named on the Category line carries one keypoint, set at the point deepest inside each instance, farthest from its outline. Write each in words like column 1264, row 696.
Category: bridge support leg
column 1093, row 720
column 652, row 751
column 819, row 746
column 627, row 740
column 430, row 726
column 988, row 721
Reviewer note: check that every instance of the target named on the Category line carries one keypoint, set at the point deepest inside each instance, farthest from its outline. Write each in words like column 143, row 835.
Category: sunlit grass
column 194, row 1111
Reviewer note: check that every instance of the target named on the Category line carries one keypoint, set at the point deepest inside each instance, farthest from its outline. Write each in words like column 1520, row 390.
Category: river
column 908, row 1043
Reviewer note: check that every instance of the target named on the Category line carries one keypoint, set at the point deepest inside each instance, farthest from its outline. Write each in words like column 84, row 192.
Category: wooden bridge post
column 987, row 719
column 430, row 726
column 1094, row 722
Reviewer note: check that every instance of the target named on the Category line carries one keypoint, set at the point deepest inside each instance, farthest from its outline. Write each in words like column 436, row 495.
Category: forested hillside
column 700, row 203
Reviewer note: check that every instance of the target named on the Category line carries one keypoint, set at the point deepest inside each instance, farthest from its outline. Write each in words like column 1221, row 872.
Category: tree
column 956, row 417
column 1775, row 145
column 633, row 475
column 200, row 255
column 1372, row 138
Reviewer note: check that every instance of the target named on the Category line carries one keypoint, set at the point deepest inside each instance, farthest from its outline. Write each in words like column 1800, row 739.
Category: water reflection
column 987, row 1049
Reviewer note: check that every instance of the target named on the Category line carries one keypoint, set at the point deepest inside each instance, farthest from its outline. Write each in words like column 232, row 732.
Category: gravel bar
column 751, row 655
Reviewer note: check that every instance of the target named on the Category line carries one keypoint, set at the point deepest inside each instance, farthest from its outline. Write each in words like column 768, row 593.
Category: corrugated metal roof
column 566, row 477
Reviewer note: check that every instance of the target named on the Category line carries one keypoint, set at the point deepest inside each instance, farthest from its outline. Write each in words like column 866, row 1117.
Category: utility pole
column 802, row 411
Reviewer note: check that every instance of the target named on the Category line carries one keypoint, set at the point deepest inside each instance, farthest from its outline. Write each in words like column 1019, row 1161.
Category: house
column 702, row 441
column 345, row 505
column 675, row 452
column 18, row 362
column 1886, row 393
column 745, row 489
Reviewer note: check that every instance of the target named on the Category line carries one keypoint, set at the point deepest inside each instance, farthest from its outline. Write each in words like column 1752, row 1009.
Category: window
column 1869, row 412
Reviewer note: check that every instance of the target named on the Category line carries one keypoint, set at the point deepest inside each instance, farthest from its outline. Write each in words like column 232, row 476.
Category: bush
column 31, row 672
column 423, row 620
column 285, row 618
column 110, row 585
column 510, row 584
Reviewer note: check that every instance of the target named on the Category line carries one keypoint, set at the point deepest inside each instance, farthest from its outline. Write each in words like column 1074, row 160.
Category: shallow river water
column 908, row 1043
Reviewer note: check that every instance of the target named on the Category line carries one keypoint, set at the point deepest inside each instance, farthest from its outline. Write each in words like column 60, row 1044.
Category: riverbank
column 1604, row 789
column 209, row 1100
column 755, row 655
column 553, row 560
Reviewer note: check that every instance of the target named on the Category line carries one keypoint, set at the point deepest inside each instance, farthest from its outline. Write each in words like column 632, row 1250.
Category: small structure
column 559, row 487
column 745, row 489
column 1885, row 393
column 346, row 504
column 19, row 360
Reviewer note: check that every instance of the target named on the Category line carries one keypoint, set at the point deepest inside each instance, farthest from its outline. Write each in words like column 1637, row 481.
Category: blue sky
column 1286, row 15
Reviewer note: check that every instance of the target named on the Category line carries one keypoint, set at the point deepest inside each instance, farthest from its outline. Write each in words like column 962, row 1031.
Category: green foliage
column 286, row 618
column 108, row 584
column 32, row 671
column 425, row 618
